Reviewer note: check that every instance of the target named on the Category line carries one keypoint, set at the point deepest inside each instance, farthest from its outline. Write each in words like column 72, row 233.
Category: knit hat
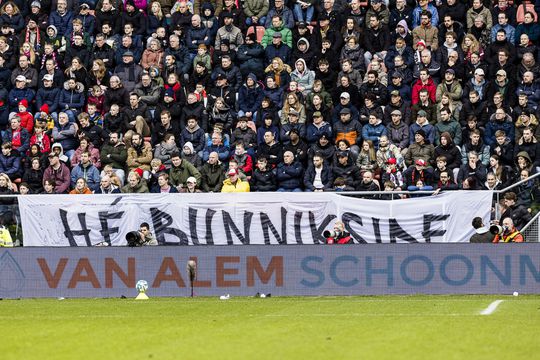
column 169, row 92
column 421, row 42
column 422, row 113
column 35, row 4
column 139, row 171
column 192, row 180
column 24, row 103
column 232, row 172
column 44, row 108
column 391, row 161
column 130, row 2
column 189, row 145
column 420, row 162
column 420, row 132
column 251, row 36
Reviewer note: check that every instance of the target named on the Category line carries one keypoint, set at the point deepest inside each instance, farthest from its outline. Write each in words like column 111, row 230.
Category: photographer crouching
column 338, row 235
column 143, row 237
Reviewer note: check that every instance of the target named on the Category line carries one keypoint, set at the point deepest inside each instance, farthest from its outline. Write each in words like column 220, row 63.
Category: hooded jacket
column 305, row 78
column 71, row 99
column 250, row 98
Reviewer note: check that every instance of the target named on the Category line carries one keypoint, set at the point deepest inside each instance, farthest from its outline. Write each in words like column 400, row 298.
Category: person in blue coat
column 250, row 97
column 10, row 161
column 289, row 174
column 71, row 99
column 373, row 130
column 61, row 18
column 86, row 170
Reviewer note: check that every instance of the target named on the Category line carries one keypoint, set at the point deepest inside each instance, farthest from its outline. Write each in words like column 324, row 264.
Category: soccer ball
column 141, row 286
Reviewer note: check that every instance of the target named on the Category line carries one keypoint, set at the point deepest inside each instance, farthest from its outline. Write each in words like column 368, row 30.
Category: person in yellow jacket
column 233, row 183
column 5, row 237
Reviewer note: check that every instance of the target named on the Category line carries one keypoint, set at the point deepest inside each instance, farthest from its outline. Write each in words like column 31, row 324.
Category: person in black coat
column 251, row 55
column 271, row 150
column 518, row 213
column 326, row 180
column 347, row 170
column 263, row 178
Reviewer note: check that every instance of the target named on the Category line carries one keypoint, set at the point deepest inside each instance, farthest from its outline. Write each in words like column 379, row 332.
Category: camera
column 496, row 229
column 133, row 239
column 329, row 234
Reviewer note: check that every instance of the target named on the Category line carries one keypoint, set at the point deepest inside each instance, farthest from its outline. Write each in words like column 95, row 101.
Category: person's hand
column 436, row 192
column 472, row 164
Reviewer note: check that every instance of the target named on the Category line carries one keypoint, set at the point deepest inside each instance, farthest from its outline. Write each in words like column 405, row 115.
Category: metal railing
column 531, row 231
column 506, row 189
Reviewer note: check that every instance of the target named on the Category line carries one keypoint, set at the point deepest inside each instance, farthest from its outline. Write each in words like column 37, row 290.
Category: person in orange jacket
column 509, row 233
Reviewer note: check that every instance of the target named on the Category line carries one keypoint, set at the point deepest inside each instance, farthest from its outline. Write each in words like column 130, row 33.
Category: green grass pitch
column 372, row 327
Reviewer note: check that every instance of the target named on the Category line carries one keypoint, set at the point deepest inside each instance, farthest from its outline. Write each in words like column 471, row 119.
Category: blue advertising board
column 369, row 269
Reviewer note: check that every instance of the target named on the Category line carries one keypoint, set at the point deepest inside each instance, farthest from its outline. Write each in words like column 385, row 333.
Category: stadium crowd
column 309, row 95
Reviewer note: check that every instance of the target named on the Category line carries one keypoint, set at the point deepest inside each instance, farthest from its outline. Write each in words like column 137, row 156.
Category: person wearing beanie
column 131, row 14
column 420, row 149
column 250, row 97
column 250, row 55
column 230, row 32
column 189, row 154
column 27, row 120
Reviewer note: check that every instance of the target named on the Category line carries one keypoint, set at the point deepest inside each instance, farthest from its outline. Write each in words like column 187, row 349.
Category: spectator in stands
column 106, row 186
column 499, row 121
column 346, row 170
column 114, row 153
column 135, row 184
column 56, row 174
column 87, row 171
column 421, row 148
column 234, row 183
column 472, row 168
column 10, row 162
column 318, row 176
column 212, row 175
column 181, row 170
column 139, row 155
column 17, row 135
column 289, row 173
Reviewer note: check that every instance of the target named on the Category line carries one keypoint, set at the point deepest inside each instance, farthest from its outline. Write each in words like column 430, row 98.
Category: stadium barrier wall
column 280, row 270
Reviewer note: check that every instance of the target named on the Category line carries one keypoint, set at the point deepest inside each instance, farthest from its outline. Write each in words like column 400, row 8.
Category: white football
column 141, row 286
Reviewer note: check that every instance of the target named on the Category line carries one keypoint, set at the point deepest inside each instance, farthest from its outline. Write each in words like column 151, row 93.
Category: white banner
column 248, row 218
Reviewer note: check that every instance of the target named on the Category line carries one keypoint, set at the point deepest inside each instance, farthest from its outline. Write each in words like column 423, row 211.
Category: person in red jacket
column 338, row 235
column 424, row 82
column 27, row 120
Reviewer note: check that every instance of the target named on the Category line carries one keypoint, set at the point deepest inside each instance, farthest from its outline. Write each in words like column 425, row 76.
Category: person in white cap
column 478, row 83
column 18, row 93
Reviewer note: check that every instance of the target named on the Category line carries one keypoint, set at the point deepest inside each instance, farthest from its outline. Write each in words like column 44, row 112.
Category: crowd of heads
column 256, row 95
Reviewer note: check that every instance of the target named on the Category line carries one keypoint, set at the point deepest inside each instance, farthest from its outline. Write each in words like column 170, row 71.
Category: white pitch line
column 491, row 308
